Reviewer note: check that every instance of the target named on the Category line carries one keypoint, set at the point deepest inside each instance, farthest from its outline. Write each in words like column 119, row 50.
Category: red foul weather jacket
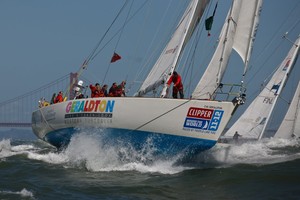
column 176, row 80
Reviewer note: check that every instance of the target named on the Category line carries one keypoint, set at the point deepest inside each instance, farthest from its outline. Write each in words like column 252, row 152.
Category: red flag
column 115, row 57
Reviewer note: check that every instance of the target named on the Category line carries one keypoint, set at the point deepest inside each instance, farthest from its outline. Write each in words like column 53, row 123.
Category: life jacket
column 101, row 93
column 94, row 92
column 59, row 98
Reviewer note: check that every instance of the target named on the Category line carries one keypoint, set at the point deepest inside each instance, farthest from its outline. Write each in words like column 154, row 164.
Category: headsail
column 253, row 121
column 238, row 33
column 290, row 125
column 167, row 61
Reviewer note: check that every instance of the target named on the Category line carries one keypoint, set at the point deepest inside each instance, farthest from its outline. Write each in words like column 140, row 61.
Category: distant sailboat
column 290, row 126
column 252, row 123
column 175, row 125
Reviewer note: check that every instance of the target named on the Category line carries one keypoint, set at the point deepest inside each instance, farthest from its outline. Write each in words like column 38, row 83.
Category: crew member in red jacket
column 177, row 87
column 96, row 91
column 59, row 98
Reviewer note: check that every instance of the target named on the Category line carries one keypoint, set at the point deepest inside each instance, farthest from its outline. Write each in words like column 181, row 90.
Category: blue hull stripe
column 168, row 144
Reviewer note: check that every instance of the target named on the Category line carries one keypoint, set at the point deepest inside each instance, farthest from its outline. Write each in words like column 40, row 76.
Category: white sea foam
column 50, row 157
column 266, row 151
column 22, row 193
column 90, row 151
column 7, row 150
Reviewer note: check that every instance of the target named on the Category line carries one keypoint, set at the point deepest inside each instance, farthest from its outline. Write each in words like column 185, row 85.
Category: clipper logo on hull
column 203, row 119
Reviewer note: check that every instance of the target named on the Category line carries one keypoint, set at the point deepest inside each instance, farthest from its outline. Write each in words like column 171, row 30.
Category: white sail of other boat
column 238, row 33
column 167, row 61
column 290, row 126
column 253, row 121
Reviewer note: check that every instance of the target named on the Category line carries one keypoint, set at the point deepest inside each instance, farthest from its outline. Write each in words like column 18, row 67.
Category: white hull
column 197, row 120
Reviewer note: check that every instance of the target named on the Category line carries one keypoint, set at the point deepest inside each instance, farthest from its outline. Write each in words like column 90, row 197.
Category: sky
column 41, row 41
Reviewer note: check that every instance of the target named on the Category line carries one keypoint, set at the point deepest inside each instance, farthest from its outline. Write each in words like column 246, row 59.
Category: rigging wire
column 100, row 50
column 159, row 116
column 273, row 52
column 138, row 41
column 93, row 54
column 152, row 42
column 120, row 35
column 119, row 30
column 205, row 49
column 263, row 85
column 261, row 53
column 158, row 48
column 193, row 54
column 266, row 79
column 294, row 26
column 191, row 59
column 269, row 57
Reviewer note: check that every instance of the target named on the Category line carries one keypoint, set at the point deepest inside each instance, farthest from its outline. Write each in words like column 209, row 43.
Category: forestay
column 290, row 125
column 254, row 120
column 168, row 59
column 238, row 33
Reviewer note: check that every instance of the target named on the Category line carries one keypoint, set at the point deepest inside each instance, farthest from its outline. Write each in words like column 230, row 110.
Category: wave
column 8, row 150
column 263, row 152
column 89, row 150
column 22, row 193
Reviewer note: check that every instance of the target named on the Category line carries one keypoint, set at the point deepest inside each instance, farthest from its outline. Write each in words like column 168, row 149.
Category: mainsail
column 290, row 126
column 253, row 121
column 238, row 33
column 167, row 61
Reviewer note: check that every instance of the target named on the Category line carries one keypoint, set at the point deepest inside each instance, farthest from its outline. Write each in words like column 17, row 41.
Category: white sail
column 246, row 30
column 253, row 121
column 237, row 33
column 290, row 125
column 167, row 61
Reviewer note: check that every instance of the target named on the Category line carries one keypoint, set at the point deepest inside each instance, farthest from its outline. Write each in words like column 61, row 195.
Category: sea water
column 90, row 169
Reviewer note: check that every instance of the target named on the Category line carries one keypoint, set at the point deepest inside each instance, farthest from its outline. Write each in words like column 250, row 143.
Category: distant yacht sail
column 253, row 122
column 290, row 126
